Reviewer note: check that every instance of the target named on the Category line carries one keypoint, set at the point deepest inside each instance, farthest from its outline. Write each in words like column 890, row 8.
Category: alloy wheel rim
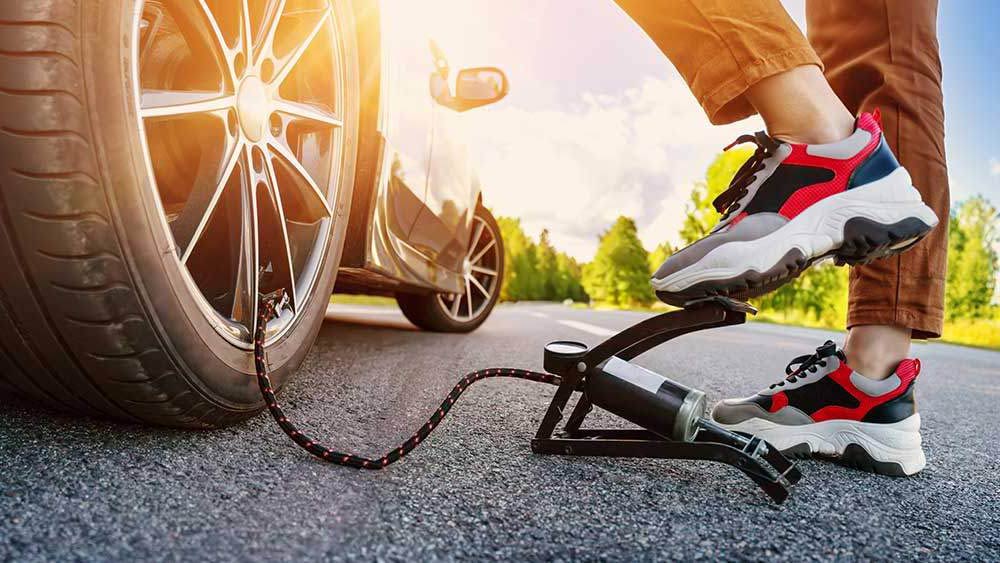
column 481, row 275
column 241, row 118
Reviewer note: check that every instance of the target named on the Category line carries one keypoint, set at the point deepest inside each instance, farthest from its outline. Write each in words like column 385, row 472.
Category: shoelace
column 727, row 202
column 809, row 363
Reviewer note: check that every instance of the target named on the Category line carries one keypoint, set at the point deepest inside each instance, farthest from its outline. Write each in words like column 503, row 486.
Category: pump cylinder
column 646, row 398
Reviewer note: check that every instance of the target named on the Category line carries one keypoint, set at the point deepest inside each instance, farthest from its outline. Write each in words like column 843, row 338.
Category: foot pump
column 671, row 415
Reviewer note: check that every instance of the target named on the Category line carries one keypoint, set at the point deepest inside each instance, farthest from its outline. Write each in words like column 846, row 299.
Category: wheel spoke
column 200, row 19
column 483, row 252
column 248, row 273
column 275, row 193
column 172, row 103
column 313, row 196
column 479, row 286
column 308, row 112
column 291, row 60
column 205, row 194
column 475, row 238
column 276, row 9
column 468, row 297
column 455, row 304
column 246, row 32
column 482, row 270
column 219, row 45
column 152, row 28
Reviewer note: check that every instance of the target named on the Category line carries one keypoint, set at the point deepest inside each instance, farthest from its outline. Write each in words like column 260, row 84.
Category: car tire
column 96, row 314
column 436, row 312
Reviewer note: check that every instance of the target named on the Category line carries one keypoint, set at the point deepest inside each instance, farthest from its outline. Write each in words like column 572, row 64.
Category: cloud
column 637, row 152
column 994, row 167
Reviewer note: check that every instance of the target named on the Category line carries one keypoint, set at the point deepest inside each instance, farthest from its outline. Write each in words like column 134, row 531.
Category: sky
column 598, row 123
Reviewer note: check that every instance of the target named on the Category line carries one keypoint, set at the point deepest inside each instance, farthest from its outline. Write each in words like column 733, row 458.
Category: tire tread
column 74, row 334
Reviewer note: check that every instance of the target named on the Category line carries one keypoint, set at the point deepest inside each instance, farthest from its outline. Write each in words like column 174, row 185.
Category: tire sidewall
column 220, row 371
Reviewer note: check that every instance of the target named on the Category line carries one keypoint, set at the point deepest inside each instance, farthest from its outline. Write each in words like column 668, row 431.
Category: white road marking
column 587, row 327
column 537, row 314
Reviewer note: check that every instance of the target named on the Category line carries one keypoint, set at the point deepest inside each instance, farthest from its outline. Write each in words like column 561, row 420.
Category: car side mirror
column 480, row 86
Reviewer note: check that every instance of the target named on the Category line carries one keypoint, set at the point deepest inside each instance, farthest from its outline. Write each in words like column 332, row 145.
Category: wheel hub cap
column 252, row 105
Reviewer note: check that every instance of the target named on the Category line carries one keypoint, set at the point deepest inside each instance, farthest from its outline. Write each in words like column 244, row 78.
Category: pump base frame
column 761, row 462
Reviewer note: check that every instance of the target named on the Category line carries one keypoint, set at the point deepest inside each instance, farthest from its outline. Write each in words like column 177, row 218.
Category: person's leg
column 741, row 58
column 723, row 48
column 821, row 184
column 799, row 106
column 884, row 53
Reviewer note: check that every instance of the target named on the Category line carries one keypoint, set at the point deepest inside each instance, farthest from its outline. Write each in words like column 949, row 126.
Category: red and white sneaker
column 825, row 408
column 791, row 205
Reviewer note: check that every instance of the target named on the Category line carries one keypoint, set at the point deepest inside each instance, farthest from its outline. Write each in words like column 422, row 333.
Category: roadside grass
column 978, row 333
column 347, row 299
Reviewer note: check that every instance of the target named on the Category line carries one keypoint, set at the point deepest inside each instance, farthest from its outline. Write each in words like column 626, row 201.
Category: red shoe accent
column 907, row 372
column 842, row 169
column 733, row 222
column 778, row 401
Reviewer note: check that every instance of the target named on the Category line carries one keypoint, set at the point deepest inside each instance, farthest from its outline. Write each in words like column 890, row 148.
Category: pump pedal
column 671, row 415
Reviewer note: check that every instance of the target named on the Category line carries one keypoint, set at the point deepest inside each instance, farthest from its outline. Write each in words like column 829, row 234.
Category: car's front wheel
column 162, row 164
column 482, row 273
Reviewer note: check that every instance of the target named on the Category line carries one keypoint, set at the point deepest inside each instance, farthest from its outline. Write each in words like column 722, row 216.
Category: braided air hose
column 268, row 312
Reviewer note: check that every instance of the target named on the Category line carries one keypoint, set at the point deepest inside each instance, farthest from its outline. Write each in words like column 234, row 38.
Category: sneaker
column 791, row 205
column 824, row 408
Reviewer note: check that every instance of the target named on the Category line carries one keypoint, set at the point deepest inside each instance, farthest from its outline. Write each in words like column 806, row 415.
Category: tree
column 567, row 282
column 701, row 216
column 658, row 256
column 520, row 278
column 972, row 260
column 619, row 273
column 536, row 271
column 547, row 268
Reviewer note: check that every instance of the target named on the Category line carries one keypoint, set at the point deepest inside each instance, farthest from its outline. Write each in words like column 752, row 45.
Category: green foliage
column 701, row 216
column 820, row 294
column 619, row 273
column 972, row 260
column 547, row 267
column 536, row 272
column 520, row 280
column 658, row 256
column 567, row 282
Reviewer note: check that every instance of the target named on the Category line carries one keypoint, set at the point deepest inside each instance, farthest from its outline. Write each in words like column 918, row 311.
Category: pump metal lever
column 669, row 413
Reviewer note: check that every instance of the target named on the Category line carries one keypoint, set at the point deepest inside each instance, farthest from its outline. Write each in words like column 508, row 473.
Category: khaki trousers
column 874, row 53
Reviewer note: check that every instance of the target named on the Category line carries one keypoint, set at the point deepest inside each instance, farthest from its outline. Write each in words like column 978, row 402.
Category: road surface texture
column 73, row 489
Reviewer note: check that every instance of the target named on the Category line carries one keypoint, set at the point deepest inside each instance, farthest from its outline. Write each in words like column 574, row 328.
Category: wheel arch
column 369, row 41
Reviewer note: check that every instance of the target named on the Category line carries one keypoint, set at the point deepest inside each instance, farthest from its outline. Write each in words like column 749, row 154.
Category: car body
column 413, row 209
column 177, row 161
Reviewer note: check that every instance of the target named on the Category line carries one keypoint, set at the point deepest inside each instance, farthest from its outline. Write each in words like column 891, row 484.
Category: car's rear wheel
column 162, row 164
column 483, row 274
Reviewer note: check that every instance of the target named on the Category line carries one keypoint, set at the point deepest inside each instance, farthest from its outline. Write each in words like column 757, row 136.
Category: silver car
column 164, row 163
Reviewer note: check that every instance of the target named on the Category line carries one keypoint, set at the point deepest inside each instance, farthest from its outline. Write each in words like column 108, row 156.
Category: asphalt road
column 75, row 489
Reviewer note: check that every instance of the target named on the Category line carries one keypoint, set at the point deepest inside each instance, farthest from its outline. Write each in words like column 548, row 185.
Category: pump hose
column 268, row 312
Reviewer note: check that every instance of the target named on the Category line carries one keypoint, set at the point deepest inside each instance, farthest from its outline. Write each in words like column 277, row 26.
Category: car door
column 441, row 230
column 408, row 119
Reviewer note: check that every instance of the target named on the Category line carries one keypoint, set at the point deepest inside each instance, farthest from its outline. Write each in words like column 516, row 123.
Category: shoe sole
column 870, row 222
column 887, row 449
